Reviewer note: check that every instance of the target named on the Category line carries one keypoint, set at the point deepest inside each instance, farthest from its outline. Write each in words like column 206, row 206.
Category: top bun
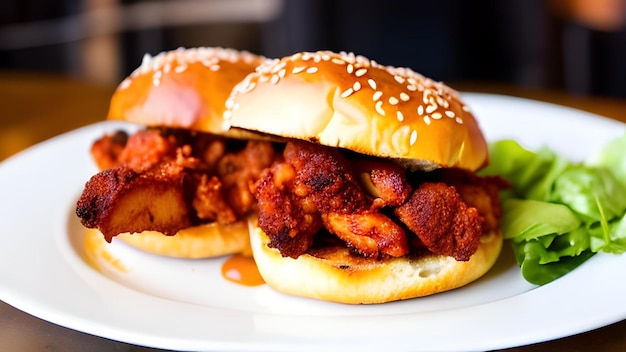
column 183, row 88
column 348, row 101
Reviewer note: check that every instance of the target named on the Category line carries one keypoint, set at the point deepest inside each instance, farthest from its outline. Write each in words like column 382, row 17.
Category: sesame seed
column 311, row 69
column 413, row 137
column 411, row 87
column 214, row 67
column 346, row 93
column 356, row 86
column 436, row 116
column 377, row 95
column 420, row 110
column 372, row 83
column 459, row 120
column 426, row 97
column 156, row 78
column 399, row 79
column 393, row 101
column 278, row 67
column 180, row 68
column 404, row 96
column 275, row 79
column 431, row 108
column 350, row 68
column 250, row 86
column 167, row 67
column 125, row 83
column 360, row 72
column 146, row 59
column 427, row 120
column 362, row 60
column 450, row 113
column 298, row 69
column 325, row 57
column 466, row 108
column 337, row 61
column 379, row 108
column 230, row 102
column 399, row 116
column 282, row 73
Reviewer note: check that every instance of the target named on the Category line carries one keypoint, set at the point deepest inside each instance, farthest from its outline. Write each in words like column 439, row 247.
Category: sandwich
column 373, row 195
column 180, row 185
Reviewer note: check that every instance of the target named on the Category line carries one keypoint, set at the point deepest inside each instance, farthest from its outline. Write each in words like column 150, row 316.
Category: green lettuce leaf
column 530, row 173
column 611, row 241
column 529, row 256
column 559, row 213
column 612, row 157
column 593, row 193
column 524, row 220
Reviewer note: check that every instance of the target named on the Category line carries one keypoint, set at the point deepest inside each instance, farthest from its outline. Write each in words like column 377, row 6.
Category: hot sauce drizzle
column 242, row 270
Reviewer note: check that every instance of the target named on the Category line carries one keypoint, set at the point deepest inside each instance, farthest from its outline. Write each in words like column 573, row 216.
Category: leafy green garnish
column 559, row 213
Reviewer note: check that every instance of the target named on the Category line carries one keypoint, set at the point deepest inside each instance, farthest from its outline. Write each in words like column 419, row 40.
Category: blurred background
column 577, row 46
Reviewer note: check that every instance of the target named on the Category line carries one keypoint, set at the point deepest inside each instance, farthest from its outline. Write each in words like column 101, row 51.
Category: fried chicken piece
column 370, row 233
column 316, row 187
column 436, row 213
column 209, row 202
column 292, row 195
column 211, row 151
column 325, row 177
column 201, row 178
column 385, row 180
column 238, row 172
column 481, row 193
column 146, row 149
column 288, row 221
column 107, row 149
column 121, row 200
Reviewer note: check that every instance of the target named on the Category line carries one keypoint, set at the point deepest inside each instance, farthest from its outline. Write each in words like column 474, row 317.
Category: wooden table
column 34, row 107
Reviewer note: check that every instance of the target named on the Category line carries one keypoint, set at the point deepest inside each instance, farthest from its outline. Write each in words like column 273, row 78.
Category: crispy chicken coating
column 292, row 195
column 168, row 180
column 121, row 200
column 478, row 192
column 436, row 213
column 325, row 178
column 106, row 150
column 372, row 205
column 384, row 180
column 369, row 233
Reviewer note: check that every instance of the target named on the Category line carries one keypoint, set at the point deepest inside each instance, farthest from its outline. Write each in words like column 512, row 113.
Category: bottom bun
column 204, row 241
column 333, row 274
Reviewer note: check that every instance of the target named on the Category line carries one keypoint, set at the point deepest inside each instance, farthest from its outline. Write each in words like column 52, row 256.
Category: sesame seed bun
column 336, row 275
column 183, row 88
column 348, row 101
column 204, row 241
column 186, row 88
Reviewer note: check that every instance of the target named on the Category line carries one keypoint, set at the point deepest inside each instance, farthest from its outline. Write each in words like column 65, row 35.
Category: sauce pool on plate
column 242, row 269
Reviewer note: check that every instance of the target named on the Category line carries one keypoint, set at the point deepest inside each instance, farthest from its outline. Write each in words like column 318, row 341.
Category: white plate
column 187, row 305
